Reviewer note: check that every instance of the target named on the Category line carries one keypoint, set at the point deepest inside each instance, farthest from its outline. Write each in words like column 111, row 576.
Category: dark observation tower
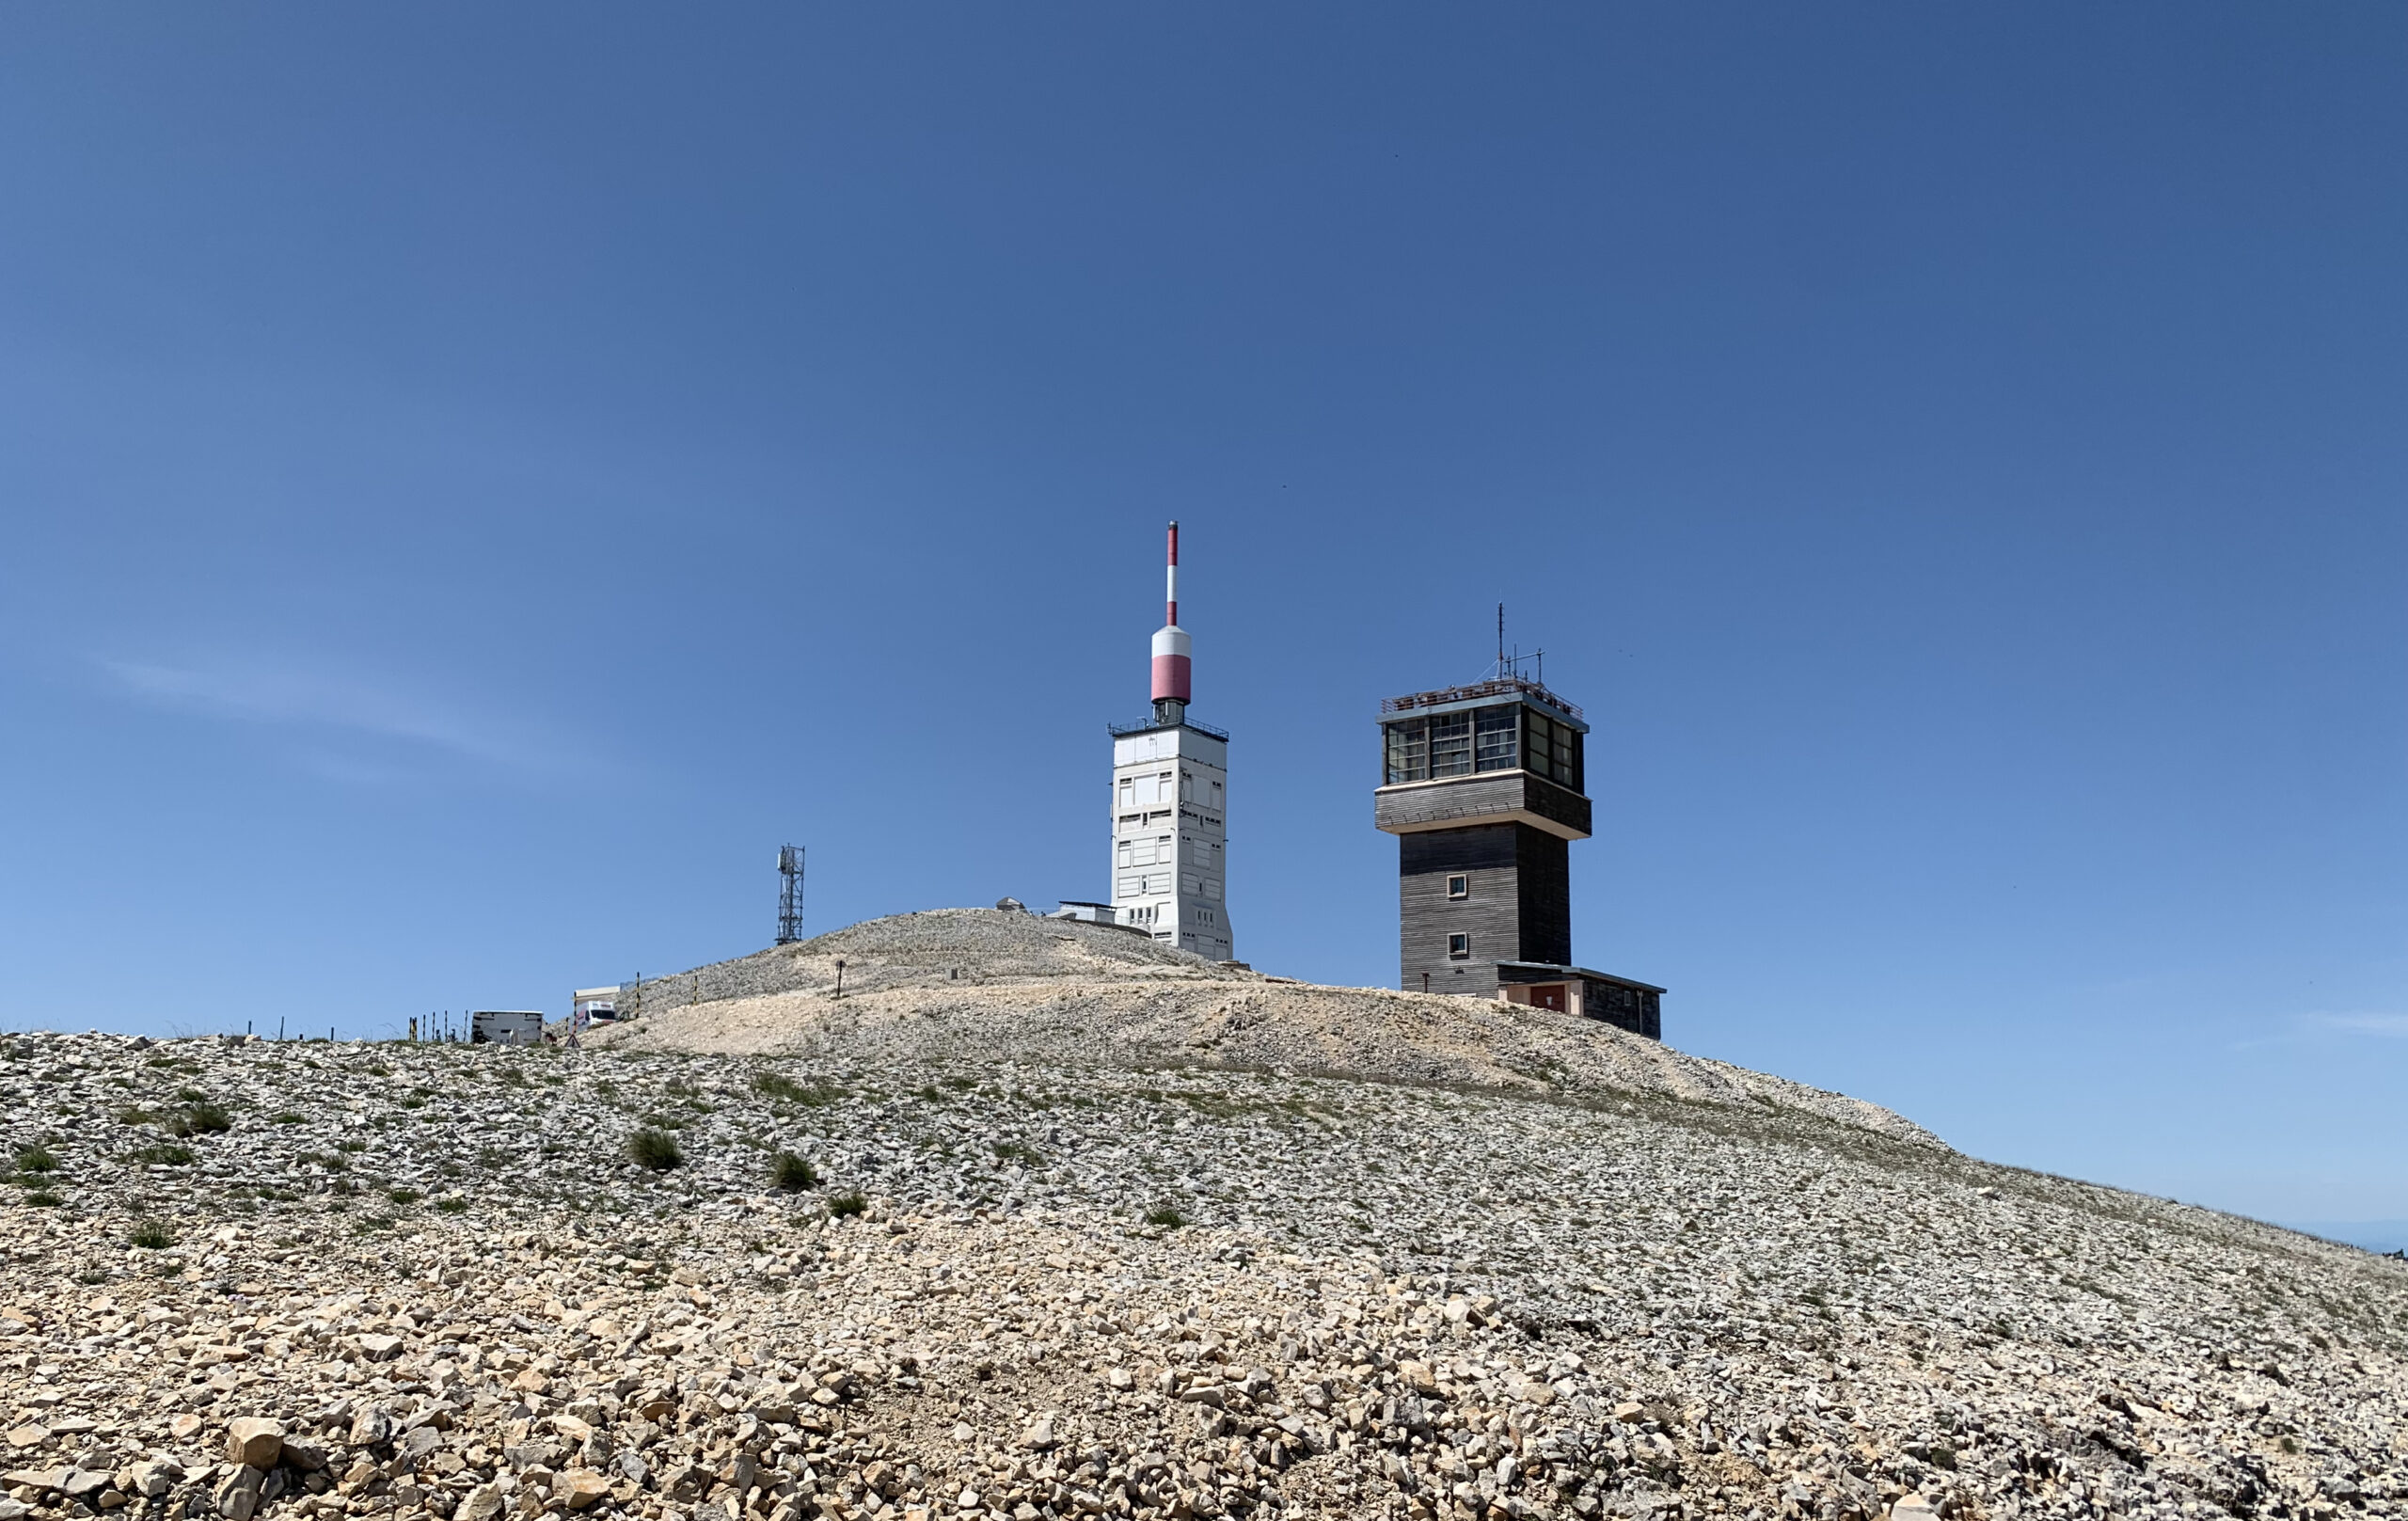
column 1483, row 787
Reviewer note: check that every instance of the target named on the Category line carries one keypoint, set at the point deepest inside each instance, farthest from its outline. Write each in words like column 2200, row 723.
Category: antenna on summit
column 789, row 894
column 1172, row 650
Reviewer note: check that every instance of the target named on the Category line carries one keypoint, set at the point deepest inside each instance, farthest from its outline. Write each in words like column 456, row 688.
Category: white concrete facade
column 1169, row 837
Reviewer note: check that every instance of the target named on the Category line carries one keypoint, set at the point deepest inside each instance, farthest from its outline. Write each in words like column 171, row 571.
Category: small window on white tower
column 1216, row 794
column 1127, row 851
column 1186, row 788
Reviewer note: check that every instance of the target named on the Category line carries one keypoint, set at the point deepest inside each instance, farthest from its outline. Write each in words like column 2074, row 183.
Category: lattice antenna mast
column 789, row 894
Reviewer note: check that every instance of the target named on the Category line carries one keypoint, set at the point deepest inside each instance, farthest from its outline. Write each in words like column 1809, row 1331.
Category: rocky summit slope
column 244, row 1278
column 988, row 983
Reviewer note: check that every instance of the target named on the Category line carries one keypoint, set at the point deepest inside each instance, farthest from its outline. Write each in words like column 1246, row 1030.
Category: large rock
column 154, row 1477
column 255, row 1441
column 483, row 1503
column 238, row 1493
column 579, row 1489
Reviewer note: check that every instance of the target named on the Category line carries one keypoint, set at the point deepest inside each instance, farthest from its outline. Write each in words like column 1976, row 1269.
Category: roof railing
column 1121, row 731
column 1501, row 687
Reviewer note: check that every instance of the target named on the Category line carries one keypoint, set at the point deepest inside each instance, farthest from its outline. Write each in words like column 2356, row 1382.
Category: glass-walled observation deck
column 1434, row 735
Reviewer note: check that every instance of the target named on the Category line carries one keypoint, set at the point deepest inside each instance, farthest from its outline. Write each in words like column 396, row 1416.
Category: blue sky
column 474, row 481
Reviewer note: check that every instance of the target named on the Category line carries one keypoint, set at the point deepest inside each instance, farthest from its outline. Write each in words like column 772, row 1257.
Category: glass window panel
column 1409, row 751
column 1495, row 733
column 1450, row 745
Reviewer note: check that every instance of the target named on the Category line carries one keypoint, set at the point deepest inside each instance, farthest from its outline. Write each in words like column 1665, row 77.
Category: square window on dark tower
column 1489, row 780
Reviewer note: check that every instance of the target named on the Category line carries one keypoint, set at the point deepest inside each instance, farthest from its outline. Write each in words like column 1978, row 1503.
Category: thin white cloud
column 2304, row 1028
column 304, row 700
column 2395, row 1025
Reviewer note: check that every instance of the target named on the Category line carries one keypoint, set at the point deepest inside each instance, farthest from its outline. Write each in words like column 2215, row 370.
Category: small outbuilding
column 1094, row 913
column 506, row 1026
column 1636, row 1006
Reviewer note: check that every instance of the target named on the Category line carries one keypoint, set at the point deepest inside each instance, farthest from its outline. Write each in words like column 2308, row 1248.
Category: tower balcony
column 1485, row 797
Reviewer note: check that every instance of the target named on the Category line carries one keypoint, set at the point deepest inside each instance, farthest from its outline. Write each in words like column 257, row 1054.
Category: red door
column 1548, row 996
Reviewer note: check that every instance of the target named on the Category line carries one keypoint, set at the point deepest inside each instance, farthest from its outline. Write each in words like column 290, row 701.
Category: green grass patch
column 846, row 1204
column 203, row 1117
column 654, row 1150
column 778, row 1085
column 792, row 1174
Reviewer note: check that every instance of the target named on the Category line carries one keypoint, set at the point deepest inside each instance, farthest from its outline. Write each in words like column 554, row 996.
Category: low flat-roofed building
column 506, row 1026
column 1636, row 1006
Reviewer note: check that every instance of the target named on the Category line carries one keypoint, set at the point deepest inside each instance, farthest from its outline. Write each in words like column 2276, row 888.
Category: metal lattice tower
column 789, row 894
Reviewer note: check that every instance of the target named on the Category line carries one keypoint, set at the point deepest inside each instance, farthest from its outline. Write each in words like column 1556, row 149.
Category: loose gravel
column 243, row 1278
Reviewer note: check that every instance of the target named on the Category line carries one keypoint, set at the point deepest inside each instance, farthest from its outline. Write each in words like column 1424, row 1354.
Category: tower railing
column 1121, row 731
column 1502, row 687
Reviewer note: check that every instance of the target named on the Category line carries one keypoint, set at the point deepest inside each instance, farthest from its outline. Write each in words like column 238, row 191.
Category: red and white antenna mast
column 1171, row 647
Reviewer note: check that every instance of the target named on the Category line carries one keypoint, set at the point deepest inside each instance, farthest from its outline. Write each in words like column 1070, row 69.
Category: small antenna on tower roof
column 1509, row 663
